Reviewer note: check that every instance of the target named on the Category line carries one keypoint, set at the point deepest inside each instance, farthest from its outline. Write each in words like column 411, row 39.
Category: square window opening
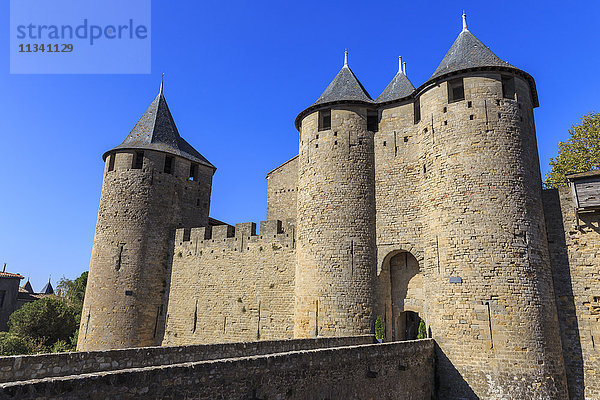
column 372, row 121
column 417, row 110
column 324, row 120
column 508, row 87
column 168, row 169
column 456, row 90
column 193, row 172
column 111, row 162
column 138, row 160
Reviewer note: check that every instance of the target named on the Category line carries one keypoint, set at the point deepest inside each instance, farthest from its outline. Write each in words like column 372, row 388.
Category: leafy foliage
column 580, row 153
column 379, row 331
column 48, row 324
column 73, row 290
column 12, row 345
column 48, row 319
column 422, row 332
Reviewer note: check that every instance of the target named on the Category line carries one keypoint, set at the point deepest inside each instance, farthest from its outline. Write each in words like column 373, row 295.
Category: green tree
column 580, row 153
column 73, row 290
column 422, row 332
column 46, row 320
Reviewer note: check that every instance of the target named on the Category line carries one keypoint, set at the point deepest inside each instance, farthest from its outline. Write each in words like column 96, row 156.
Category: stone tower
column 153, row 183
column 489, row 294
column 336, row 212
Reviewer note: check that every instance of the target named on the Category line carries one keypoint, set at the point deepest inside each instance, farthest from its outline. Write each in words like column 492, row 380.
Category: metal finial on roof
column 404, row 67
column 464, row 19
column 346, row 58
column 161, row 82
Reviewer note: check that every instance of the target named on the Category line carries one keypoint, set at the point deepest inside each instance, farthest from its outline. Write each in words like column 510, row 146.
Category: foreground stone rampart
column 384, row 371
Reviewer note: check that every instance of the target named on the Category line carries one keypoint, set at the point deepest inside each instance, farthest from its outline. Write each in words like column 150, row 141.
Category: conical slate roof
column 467, row 52
column 48, row 288
column 345, row 86
column 156, row 130
column 398, row 88
column 27, row 287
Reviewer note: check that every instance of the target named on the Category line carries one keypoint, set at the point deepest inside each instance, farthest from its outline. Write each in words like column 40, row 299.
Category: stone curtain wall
column 576, row 270
column 229, row 284
column 487, row 277
column 383, row 371
column 282, row 191
column 21, row 368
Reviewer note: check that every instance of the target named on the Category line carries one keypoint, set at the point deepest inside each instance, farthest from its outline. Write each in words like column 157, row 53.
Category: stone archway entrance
column 403, row 293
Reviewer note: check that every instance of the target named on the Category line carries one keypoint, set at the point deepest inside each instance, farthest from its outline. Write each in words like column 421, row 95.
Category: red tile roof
column 9, row 275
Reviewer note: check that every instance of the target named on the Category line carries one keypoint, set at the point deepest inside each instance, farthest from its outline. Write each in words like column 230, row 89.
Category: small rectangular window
column 508, row 87
column 417, row 109
column 193, row 172
column 168, row 165
column 324, row 120
column 138, row 160
column 372, row 121
column 2, row 296
column 456, row 90
column 111, row 162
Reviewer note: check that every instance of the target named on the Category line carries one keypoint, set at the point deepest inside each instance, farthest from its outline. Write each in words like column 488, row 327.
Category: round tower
column 492, row 309
column 153, row 183
column 336, row 212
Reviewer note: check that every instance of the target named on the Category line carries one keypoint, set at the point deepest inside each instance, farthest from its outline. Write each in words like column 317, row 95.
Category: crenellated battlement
column 240, row 237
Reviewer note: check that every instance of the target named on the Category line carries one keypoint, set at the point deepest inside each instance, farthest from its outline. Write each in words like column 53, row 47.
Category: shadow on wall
column 449, row 383
column 563, row 291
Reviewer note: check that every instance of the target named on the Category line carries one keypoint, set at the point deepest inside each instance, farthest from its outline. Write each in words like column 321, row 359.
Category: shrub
column 379, row 331
column 12, row 345
column 422, row 333
column 47, row 320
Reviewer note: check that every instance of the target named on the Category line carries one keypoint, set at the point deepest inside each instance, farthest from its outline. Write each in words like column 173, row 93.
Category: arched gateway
column 401, row 294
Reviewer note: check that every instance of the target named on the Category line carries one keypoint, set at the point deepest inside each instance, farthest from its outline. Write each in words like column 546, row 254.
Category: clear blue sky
column 237, row 74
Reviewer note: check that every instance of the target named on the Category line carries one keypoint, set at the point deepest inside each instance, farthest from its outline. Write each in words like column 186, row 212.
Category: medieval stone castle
column 424, row 203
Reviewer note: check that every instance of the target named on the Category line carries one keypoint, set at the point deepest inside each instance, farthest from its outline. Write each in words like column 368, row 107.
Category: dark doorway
column 407, row 326
column 411, row 329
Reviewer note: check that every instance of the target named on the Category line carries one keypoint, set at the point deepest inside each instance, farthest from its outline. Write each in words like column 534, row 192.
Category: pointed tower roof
column 156, row 130
column 344, row 87
column 467, row 52
column 398, row 88
column 27, row 287
column 48, row 288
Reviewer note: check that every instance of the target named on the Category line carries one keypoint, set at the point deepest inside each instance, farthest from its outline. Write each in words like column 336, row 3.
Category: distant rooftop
column 587, row 174
column 10, row 275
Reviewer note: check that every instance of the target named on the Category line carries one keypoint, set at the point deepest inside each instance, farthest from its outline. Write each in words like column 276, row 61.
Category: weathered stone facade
column 574, row 252
column 425, row 204
column 232, row 285
column 139, row 209
column 346, row 372
column 282, row 191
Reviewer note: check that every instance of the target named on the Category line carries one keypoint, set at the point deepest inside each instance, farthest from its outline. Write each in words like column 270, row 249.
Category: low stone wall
column 20, row 368
column 384, row 371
